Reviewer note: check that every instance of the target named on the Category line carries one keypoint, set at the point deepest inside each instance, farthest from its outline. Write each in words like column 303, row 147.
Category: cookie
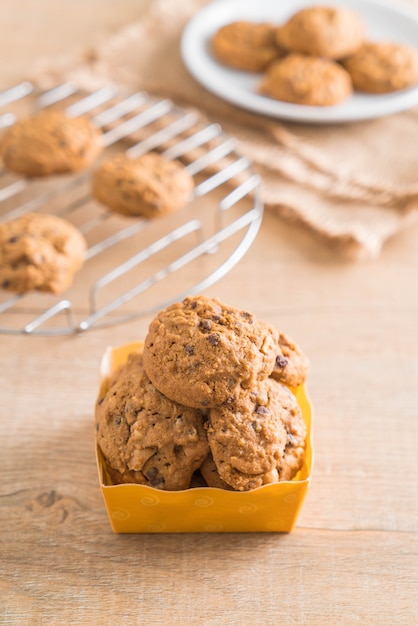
column 145, row 437
column 41, row 252
column 247, row 46
column 383, row 67
column 211, row 476
column 307, row 80
column 50, row 142
column 292, row 419
column 323, row 31
column 201, row 353
column 148, row 186
column 248, row 439
column 292, row 365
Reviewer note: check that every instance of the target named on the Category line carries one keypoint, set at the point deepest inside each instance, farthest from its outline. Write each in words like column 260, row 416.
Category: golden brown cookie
column 148, row 186
column 144, row 436
column 247, row 46
column 295, row 427
column 211, row 476
column 201, row 353
column 248, row 439
column 50, row 142
column 41, row 252
column 382, row 67
column 292, row 364
column 307, row 80
column 324, row 31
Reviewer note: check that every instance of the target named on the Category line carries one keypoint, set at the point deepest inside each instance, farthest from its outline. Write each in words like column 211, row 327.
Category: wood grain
column 353, row 558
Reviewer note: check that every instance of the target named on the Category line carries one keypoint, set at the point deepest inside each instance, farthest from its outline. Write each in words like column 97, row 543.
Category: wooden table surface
column 353, row 557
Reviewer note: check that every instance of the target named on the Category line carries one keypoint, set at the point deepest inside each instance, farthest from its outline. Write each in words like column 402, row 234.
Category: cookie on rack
column 248, row 46
column 148, row 186
column 145, row 437
column 248, row 439
column 201, row 352
column 332, row 32
column 307, row 80
column 39, row 252
column 383, row 67
column 50, row 142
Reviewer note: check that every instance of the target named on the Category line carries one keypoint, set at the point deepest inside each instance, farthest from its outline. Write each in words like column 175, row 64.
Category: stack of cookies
column 318, row 57
column 207, row 401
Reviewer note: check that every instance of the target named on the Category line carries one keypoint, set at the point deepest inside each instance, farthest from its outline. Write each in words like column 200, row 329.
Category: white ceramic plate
column 384, row 21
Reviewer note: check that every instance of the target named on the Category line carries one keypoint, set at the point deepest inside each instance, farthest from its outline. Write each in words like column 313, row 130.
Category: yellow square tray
column 141, row 509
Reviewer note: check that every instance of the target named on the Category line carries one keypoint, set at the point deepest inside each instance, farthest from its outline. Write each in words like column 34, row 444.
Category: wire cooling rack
column 134, row 266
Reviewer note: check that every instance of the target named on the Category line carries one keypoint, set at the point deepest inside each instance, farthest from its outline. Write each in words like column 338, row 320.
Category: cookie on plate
column 201, row 353
column 307, row 80
column 145, row 437
column 292, row 365
column 248, row 46
column 148, row 186
column 381, row 67
column 248, row 439
column 39, row 252
column 324, row 31
column 50, row 142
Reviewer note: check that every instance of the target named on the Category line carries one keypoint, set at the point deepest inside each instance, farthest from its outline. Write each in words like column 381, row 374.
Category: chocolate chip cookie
column 201, row 353
column 248, row 439
column 144, row 436
column 292, row 365
column 148, row 186
column 247, row 46
column 295, row 427
column 324, row 31
column 380, row 67
column 50, row 142
column 41, row 252
column 210, row 474
column 307, row 80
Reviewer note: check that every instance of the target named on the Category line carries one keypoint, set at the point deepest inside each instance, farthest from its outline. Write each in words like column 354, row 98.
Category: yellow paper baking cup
column 141, row 509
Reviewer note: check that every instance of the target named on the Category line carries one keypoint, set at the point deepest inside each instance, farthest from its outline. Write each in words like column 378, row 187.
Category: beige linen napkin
column 352, row 186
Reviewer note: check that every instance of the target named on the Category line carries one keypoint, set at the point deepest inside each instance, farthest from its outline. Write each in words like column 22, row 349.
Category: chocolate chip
column 193, row 304
column 216, row 318
column 281, row 361
column 100, row 401
column 247, row 316
column 205, row 324
column 189, row 349
column 262, row 410
column 5, row 284
column 213, row 339
column 13, row 239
